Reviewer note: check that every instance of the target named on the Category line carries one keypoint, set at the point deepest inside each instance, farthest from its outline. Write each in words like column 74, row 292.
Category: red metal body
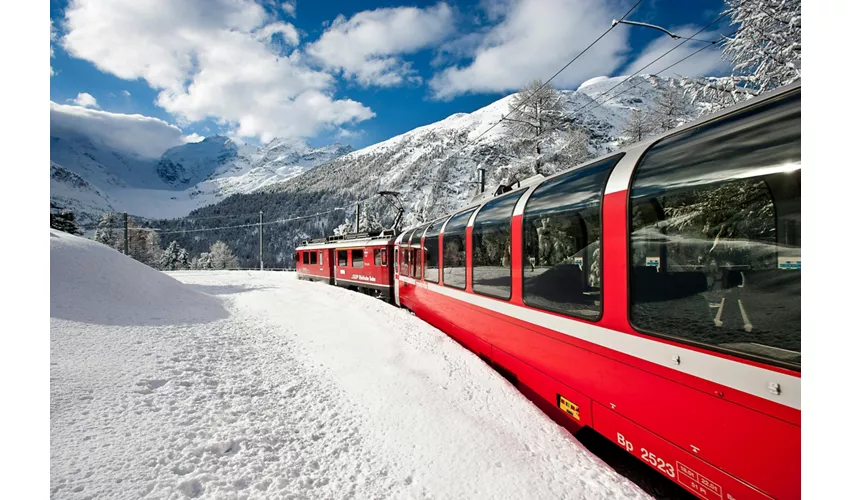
column 363, row 263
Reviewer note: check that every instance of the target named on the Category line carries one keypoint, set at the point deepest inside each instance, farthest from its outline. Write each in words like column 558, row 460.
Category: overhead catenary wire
column 684, row 41
column 503, row 118
column 663, row 70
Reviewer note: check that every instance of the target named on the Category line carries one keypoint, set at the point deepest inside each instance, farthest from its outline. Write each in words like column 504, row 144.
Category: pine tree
column 221, row 256
column 170, row 256
column 183, row 258
column 63, row 220
column 105, row 232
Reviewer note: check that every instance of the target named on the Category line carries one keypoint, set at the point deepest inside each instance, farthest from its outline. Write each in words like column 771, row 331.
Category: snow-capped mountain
column 426, row 165
column 89, row 177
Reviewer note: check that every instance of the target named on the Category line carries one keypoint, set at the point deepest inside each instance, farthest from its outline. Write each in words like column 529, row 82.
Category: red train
column 652, row 295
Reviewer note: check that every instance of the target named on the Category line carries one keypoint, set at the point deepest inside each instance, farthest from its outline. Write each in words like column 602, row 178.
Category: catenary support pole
column 261, row 240
column 126, row 240
column 357, row 217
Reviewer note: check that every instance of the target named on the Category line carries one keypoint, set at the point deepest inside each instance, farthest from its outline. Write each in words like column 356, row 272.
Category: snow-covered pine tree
column 183, row 258
column 169, row 256
column 221, row 256
column 105, row 232
column 765, row 52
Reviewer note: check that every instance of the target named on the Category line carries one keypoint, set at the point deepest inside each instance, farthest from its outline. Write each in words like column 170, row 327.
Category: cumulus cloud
column 53, row 36
column 367, row 47
column 193, row 137
column 533, row 39
column 211, row 59
column 288, row 7
column 705, row 63
column 85, row 100
column 145, row 135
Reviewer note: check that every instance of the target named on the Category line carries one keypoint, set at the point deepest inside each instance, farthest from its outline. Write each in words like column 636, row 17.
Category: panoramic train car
column 652, row 295
column 358, row 261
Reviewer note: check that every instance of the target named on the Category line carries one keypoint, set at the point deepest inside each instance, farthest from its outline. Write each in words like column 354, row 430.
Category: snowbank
column 92, row 283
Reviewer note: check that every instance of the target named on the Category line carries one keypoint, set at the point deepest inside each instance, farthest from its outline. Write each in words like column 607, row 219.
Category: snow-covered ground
column 257, row 385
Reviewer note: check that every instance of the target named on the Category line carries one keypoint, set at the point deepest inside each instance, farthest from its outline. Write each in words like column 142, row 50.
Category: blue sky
column 356, row 72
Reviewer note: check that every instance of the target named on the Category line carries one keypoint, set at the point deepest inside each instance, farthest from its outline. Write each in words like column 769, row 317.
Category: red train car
column 652, row 295
column 359, row 261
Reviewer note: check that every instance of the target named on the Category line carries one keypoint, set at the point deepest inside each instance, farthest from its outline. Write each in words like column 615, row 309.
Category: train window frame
column 357, row 262
column 711, row 348
column 342, row 258
column 615, row 159
column 468, row 213
column 427, row 236
column 518, row 194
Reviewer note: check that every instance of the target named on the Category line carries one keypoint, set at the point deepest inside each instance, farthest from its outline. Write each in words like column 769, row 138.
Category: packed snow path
column 257, row 385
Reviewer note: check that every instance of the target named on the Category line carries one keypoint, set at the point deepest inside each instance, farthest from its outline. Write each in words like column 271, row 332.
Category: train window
column 384, row 257
column 416, row 253
column 321, row 252
column 715, row 235
column 357, row 258
column 376, row 257
column 313, row 257
column 454, row 250
column 403, row 269
column 491, row 247
column 432, row 251
column 562, row 231
column 342, row 257
column 395, row 265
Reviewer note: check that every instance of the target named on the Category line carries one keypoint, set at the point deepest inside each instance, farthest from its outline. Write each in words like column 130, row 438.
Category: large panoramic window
column 432, row 251
column 491, row 247
column 562, row 231
column 454, row 250
column 715, row 234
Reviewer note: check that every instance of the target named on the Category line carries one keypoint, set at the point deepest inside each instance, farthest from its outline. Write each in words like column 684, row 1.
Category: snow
column 239, row 384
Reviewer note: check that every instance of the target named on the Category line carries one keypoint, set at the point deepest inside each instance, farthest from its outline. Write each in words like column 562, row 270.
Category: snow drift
column 92, row 283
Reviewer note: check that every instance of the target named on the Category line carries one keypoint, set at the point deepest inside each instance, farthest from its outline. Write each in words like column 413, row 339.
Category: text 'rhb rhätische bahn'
column 652, row 295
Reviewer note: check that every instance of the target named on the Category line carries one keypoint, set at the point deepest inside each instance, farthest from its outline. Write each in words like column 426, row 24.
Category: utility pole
column 126, row 240
column 357, row 216
column 261, row 240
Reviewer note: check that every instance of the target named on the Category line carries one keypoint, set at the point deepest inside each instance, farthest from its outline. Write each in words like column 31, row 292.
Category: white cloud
column 366, row 48
column 193, row 137
column 53, row 36
column 125, row 93
column 85, row 100
column 145, row 135
column 705, row 63
column 211, row 59
column 288, row 7
column 534, row 39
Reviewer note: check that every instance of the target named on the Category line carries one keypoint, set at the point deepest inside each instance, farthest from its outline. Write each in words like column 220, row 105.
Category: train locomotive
column 652, row 295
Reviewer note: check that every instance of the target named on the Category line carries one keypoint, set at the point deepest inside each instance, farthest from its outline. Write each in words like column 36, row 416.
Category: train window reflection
column 432, row 251
column 562, row 254
column 357, row 258
column 454, row 250
column 715, row 235
column 491, row 247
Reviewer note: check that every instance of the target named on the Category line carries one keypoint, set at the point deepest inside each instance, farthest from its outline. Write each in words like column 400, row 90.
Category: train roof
column 378, row 238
